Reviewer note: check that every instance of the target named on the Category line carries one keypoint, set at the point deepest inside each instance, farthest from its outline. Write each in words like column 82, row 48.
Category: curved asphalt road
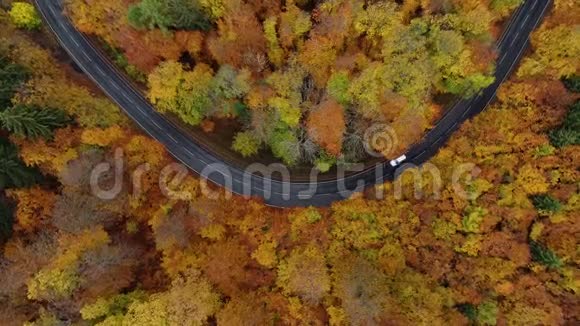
column 511, row 47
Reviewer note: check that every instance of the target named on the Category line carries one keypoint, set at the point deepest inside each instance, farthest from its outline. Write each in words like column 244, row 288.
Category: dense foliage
column 12, row 77
column 24, row 15
column 289, row 63
column 569, row 132
column 13, row 172
column 504, row 252
column 32, row 122
column 167, row 14
column 6, row 221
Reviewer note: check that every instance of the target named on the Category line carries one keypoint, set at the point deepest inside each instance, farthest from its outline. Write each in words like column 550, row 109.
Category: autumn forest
column 299, row 82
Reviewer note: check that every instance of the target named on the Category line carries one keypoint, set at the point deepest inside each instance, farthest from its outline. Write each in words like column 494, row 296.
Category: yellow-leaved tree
column 24, row 15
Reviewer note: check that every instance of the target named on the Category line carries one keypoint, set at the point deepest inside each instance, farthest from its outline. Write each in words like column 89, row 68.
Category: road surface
column 275, row 192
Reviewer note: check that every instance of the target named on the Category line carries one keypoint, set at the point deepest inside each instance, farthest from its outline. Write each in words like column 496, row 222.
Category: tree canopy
column 24, row 15
column 382, row 62
column 13, row 172
column 171, row 14
column 496, row 245
column 33, row 122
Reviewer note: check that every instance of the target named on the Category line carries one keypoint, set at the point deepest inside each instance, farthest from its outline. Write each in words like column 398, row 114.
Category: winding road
column 275, row 192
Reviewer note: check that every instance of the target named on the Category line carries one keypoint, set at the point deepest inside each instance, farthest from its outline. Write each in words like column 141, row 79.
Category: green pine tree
column 32, row 122
column 546, row 204
column 187, row 14
column 11, row 77
column 167, row 14
column 572, row 120
column 564, row 137
column 544, row 255
column 573, row 83
column 569, row 132
column 483, row 314
column 468, row 310
column 13, row 172
column 6, row 220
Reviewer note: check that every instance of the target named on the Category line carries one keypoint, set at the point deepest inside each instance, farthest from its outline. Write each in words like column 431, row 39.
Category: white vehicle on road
column 396, row 162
